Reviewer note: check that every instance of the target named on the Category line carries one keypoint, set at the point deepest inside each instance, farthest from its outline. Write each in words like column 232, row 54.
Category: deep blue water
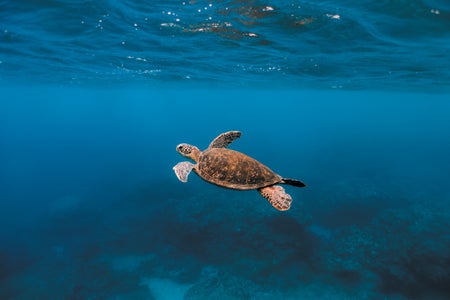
column 351, row 98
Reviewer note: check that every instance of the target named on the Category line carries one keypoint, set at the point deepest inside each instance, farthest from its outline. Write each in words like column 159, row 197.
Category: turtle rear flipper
column 293, row 182
column 182, row 170
column 276, row 196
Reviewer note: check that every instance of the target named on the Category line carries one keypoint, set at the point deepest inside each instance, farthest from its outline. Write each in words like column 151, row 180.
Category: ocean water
column 350, row 98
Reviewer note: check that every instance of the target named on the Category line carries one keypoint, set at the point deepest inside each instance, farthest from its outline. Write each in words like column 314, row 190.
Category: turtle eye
column 183, row 148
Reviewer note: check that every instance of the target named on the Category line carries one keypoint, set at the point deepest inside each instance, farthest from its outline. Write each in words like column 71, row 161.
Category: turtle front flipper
column 276, row 195
column 182, row 170
column 224, row 139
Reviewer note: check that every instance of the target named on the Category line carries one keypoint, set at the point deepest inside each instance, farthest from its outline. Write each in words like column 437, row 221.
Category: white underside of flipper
column 276, row 196
column 182, row 170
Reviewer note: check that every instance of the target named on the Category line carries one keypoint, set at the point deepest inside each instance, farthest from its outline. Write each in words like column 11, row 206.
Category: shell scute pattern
column 233, row 169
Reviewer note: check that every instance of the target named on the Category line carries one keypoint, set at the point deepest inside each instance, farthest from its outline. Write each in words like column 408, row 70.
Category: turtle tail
column 293, row 182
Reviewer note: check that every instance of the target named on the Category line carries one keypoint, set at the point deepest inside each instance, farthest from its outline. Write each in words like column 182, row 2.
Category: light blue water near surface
column 351, row 98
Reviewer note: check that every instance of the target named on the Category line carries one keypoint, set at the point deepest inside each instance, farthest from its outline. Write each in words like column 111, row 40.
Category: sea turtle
column 234, row 170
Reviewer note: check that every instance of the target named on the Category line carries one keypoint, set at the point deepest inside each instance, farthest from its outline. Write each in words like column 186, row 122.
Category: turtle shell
column 234, row 170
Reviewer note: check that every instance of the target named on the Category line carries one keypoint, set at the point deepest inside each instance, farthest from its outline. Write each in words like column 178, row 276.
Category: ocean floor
column 204, row 242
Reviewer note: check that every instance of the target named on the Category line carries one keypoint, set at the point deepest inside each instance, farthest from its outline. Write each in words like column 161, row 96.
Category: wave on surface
column 402, row 44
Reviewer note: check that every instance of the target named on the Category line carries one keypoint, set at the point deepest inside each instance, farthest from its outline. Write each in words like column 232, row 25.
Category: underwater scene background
column 351, row 98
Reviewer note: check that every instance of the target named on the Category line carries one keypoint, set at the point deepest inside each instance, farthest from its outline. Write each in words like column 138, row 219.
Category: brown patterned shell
column 234, row 170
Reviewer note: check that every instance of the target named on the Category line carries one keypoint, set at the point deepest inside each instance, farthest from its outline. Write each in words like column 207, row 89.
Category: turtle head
column 188, row 151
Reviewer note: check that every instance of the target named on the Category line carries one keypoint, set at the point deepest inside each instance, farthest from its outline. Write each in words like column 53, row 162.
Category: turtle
column 234, row 170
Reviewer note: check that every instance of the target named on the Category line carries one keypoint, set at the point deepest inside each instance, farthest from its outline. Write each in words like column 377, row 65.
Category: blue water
column 350, row 98
column 322, row 44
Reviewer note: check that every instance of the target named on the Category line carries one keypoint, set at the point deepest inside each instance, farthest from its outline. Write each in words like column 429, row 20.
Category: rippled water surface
column 338, row 44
